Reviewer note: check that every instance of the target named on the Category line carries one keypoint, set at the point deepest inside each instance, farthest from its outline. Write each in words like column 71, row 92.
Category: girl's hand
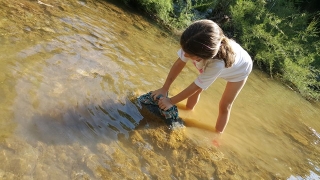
column 157, row 92
column 165, row 103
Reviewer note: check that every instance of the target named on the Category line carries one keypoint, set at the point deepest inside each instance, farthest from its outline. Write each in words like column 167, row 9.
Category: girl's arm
column 174, row 72
column 190, row 90
column 166, row 103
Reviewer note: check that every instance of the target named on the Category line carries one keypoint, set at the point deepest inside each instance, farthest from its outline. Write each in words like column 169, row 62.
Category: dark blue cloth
column 171, row 115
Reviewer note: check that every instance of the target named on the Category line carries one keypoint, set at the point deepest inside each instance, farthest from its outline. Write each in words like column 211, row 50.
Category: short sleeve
column 181, row 55
column 212, row 71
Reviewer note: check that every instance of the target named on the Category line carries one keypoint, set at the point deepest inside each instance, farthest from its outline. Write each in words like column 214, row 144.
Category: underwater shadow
column 90, row 124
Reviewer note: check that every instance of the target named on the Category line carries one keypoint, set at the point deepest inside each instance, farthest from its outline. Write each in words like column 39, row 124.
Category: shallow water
column 68, row 73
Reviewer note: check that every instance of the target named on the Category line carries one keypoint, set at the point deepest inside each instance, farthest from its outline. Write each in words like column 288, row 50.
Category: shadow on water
column 103, row 122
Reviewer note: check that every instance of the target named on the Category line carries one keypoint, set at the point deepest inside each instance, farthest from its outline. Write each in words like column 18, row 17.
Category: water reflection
column 68, row 74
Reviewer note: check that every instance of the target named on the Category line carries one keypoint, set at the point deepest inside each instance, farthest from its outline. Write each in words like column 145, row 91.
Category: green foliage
column 160, row 8
column 302, row 79
column 281, row 41
column 203, row 5
column 176, row 14
column 184, row 12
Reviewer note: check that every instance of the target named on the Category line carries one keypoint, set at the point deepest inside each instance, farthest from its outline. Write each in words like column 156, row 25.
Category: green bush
column 283, row 43
column 176, row 14
column 159, row 8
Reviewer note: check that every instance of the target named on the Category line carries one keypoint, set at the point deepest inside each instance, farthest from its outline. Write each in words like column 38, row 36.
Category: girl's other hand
column 157, row 92
column 165, row 103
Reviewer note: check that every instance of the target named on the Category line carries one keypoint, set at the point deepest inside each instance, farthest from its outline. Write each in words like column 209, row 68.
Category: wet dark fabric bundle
column 171, row 115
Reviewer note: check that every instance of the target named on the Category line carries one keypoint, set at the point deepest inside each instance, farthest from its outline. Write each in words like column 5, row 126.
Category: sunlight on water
column 69, row 75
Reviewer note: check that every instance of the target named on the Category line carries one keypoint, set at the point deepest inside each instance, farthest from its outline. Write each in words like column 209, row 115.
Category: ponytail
column 225, row 52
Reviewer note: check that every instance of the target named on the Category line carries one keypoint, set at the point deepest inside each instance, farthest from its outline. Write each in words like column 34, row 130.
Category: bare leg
column 193, row 100
column 229, row 95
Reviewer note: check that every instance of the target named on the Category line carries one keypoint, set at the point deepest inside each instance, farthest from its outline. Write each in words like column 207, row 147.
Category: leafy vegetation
column 283, row 41
column 281, row 36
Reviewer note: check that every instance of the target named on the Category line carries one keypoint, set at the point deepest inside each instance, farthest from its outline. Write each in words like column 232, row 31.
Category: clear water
column 68, row 73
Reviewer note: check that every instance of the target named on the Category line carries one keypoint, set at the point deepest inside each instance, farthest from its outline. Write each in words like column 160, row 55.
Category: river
column 70, row 71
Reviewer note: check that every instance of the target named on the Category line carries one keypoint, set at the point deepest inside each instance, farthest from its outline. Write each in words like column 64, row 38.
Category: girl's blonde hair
column 205, row 39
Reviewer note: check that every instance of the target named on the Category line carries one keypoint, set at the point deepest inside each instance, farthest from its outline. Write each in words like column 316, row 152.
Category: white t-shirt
column 211, row 69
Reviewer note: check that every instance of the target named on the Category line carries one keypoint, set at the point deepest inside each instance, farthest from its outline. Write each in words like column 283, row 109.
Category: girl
column 214, row 55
